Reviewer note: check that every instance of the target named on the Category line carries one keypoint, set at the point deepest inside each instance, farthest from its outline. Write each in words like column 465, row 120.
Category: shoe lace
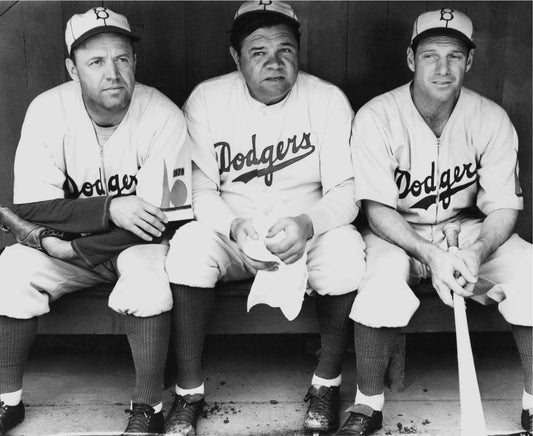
column 319, row 404
column 139, row 420
column 183, row 412
column 3, row 408
column 358, row 419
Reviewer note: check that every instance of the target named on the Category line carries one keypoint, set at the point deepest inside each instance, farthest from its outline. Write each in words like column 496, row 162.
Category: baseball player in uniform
column 104, row 157
column 266, row 137
column 426, row 154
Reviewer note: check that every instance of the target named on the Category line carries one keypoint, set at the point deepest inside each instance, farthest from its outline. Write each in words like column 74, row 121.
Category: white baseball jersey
column 250, row 158
column 59, row 156
column 398, row 160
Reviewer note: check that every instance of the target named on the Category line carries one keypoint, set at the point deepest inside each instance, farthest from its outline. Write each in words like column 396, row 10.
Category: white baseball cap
column 270, row 6
column 97, row 20
column 445, row 21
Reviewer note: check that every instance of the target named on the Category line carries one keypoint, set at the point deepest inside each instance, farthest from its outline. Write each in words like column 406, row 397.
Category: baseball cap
column 268, row 6
column 445, row 21
column 97, row 20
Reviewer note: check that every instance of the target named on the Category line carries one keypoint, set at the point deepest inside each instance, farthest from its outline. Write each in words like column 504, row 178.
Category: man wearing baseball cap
column 427, row 154
column 102, row 159
column 271, row 140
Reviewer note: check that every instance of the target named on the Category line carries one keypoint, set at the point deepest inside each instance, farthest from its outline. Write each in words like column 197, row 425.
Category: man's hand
column 472, row 257
column 449, row 272
column 134, row 214
column 297, row 231
column 240, row 229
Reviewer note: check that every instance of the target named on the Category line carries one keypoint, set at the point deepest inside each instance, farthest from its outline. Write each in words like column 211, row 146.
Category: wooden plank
column 326, row 38
column 207, row 27
column 517, row 92
column 12, row 97
column 490, row 28
column 378, row 35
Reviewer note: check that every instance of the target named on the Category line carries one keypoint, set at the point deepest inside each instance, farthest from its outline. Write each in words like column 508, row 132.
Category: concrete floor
column 256, row 385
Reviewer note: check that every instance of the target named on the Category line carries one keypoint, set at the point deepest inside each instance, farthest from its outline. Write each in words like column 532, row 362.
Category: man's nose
column 443, row 66
column 112, row 71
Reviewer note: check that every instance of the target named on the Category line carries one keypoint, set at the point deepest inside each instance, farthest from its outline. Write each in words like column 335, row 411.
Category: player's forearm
column 336, row 208
column 388, row 224
column 84, row 215
column 497, row 227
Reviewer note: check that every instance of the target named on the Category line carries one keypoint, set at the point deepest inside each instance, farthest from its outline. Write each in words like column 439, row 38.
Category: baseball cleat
column 527, row 420
column 183, row 416
column 10, row 416
column 363, row 420
column 25, row 233
column 322, row 415
column 143, row 421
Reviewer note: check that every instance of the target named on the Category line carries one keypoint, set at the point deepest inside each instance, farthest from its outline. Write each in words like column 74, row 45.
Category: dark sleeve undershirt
column 84, row 215
column 96, row 249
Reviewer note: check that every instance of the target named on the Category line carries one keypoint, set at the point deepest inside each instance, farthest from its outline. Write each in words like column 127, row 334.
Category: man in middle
column 266, row 138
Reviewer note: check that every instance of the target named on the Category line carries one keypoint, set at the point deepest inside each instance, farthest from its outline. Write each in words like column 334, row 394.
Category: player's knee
column 19, row 297
column 145, row 294
column 190, row 258
column 341, row 265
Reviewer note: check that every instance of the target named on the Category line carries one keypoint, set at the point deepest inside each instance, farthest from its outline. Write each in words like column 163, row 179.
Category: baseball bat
column 472, row 419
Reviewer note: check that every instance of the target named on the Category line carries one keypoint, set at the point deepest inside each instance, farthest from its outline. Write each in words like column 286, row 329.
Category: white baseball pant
column 30, row 280
column 200, row 257
column 385, row 298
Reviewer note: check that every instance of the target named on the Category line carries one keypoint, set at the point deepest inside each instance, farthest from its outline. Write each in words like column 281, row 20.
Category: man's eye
column 96, row 62
column 258, row 53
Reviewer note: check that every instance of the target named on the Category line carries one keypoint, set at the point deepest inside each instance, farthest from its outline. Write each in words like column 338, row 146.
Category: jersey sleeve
column 164, row 178
column 37, row 176
column 337, row 206
column 208, row 205
column 499, row 186
column 373, row 162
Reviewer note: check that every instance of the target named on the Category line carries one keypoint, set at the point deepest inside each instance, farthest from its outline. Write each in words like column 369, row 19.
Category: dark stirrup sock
column 148, row 338
column 523, row 338
column 190, row 314
column 373, row 349
column 333, row 312
column 16, row 335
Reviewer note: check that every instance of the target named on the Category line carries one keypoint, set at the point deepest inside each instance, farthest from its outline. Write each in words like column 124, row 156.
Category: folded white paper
column 284, row 288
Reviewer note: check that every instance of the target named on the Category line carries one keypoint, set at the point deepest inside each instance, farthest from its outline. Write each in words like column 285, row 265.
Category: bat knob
column 451, row 232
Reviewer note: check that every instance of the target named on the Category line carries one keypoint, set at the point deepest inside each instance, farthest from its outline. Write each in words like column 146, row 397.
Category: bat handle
column 451, row 233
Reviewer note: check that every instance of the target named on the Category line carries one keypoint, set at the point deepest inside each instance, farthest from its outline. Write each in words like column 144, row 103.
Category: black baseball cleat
column 144, row 420
column 527, row 420
column 183, row 416
column 363, row 420
column 322, row 415
column 25, row 232
column 10, row 416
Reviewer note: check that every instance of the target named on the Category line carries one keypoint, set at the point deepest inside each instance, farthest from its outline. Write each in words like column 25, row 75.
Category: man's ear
column 235, row 56
column 72, row 69
column 469, row 60
column 411, row 59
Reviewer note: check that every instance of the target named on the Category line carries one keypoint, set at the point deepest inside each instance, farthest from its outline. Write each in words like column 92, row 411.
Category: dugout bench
column 86, row 312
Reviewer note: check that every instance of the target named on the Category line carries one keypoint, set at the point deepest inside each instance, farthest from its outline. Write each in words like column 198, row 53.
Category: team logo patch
column 446, row 14
column 101, row 13
column 451, row 181
column 271, row 159
column 265, row 3
column 173, row 197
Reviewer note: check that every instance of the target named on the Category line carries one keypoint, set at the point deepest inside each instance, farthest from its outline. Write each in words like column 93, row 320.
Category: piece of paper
column 284, row 288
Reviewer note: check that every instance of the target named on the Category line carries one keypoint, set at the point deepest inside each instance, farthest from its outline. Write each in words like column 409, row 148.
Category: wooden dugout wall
column 358, row 45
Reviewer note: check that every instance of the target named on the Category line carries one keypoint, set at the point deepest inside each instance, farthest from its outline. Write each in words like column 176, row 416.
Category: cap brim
column 102, row 29
column 280, row 14
column 443, row 31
